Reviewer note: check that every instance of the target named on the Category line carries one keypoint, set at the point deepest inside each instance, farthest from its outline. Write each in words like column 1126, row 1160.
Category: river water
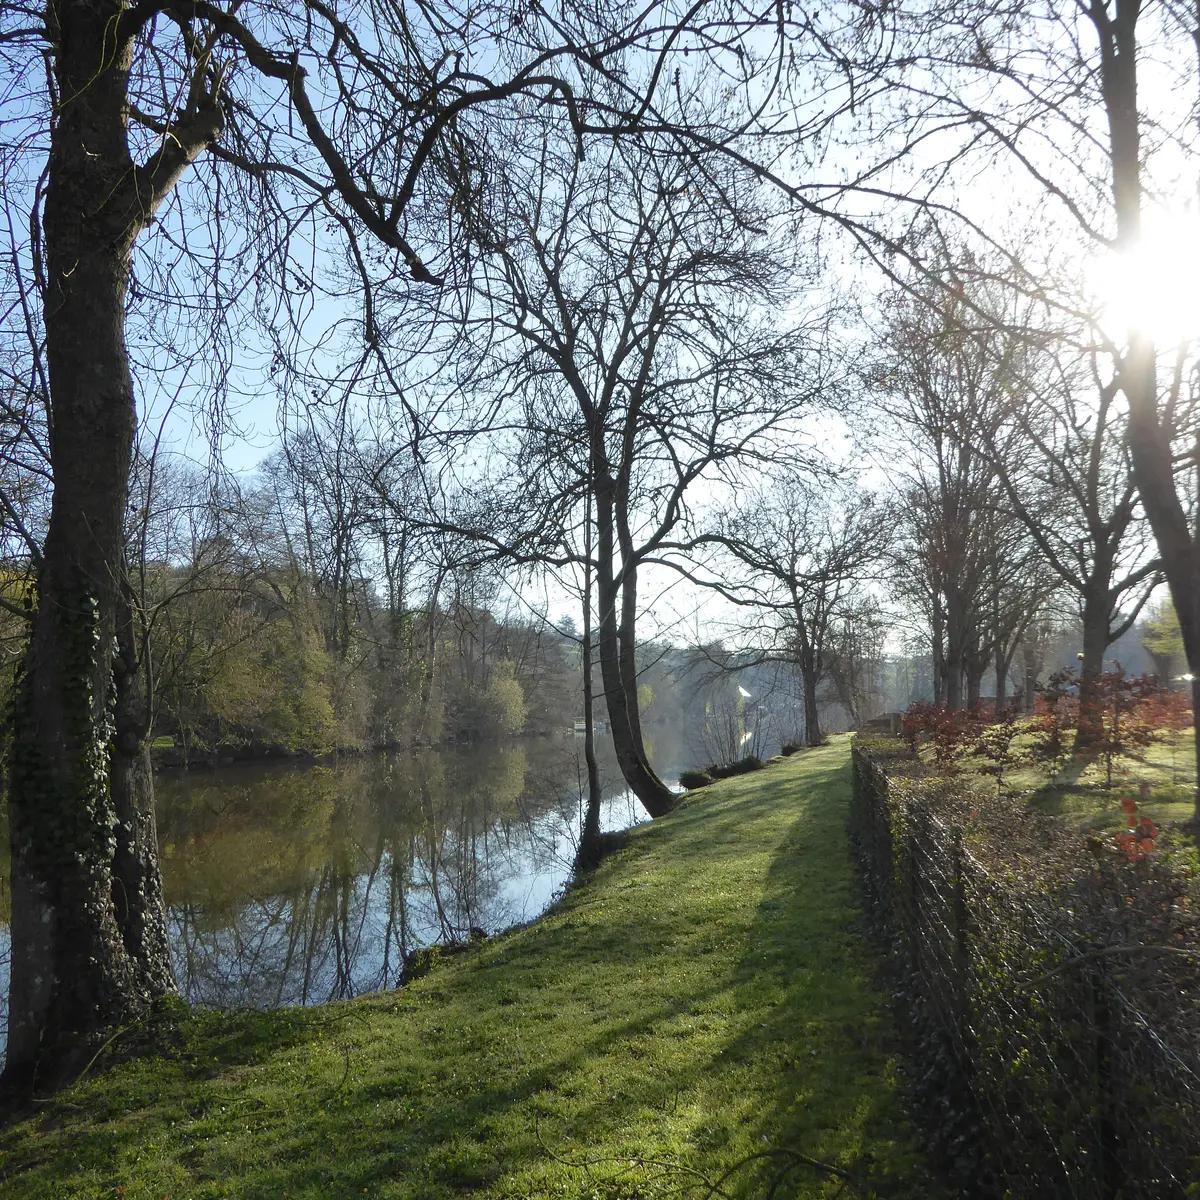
column 293, row 883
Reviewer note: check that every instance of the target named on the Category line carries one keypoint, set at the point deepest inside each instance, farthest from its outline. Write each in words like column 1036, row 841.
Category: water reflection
column 293, row 884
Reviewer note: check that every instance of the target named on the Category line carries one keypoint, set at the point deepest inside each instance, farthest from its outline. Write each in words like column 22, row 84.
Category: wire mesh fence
column 1052, row 985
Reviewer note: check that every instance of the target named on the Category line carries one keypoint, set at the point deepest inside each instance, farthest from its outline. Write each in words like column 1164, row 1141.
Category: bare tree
column 1058, row 97
column 809, row 551
column 625, row 351
column 1062, row 458
column 856, row 649
column 940, row 384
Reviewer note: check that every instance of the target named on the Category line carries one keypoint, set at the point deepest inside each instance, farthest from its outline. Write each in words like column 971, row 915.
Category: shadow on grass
column 1097, row 808
column 829, row 1043
column 705, row 997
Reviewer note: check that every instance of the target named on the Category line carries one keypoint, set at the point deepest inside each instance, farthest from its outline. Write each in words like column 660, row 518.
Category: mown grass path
column 708, row 995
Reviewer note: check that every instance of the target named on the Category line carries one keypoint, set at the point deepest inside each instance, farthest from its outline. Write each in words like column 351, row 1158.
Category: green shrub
column 694, row 779
column 742, row 767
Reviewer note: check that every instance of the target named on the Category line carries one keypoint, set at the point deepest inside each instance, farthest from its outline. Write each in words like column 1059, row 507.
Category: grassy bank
column 707, row 996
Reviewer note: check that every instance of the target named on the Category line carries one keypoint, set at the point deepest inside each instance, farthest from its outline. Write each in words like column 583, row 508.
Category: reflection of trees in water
column 304, row 886
column 300, row 948
column 296, row 885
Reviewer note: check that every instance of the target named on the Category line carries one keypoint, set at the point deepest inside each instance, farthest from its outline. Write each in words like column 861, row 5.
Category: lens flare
column 1153, row 288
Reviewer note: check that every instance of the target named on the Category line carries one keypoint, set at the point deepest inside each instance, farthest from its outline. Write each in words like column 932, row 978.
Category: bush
column 951, row 732
column 742, row 767
column 791, row 748
column 694, row 779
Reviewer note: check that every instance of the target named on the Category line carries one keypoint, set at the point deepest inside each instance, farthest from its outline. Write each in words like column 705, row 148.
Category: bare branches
column 810, row 552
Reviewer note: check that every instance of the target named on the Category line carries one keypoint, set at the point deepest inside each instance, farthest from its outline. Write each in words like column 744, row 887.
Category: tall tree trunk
column 1150, row 439
column 1097, row 612
column 616, row 634
column 1150, row 450
column 588, row 854
column 976, row 668
column 429, row 666
column 1003, row 666
column 89, row 945
column 137, row 891
column 1032, row 657
column 807, row 660
column 952, row 684
column 627, row 642
column 954, row 663
column 812, row 716
column 938, row 655
column 645, row 784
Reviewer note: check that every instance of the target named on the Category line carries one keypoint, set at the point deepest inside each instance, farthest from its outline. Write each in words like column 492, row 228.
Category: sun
column 1153, row 288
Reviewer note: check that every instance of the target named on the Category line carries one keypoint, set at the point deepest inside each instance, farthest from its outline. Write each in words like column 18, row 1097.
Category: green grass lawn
column 708, row 995
column 1079, row 794
column 1167, row 765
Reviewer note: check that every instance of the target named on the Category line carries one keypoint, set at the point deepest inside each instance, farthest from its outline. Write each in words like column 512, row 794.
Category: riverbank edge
column 154, row 1124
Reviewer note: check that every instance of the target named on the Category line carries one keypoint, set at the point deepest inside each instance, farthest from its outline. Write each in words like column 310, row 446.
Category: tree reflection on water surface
column 297, row 885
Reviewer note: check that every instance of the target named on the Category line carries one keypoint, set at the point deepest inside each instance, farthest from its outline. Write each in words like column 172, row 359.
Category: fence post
column 914, row 921
column 962, row 948
column 1110, row 1155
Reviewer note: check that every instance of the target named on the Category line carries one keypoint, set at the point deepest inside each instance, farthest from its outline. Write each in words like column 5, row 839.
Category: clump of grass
column 694, row 779
column 705, row 1000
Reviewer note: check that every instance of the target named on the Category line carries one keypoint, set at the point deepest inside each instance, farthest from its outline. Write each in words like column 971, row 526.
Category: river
column 297, row 883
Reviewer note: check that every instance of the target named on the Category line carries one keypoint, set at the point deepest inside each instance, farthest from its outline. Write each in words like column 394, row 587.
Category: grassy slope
column 706, row 996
